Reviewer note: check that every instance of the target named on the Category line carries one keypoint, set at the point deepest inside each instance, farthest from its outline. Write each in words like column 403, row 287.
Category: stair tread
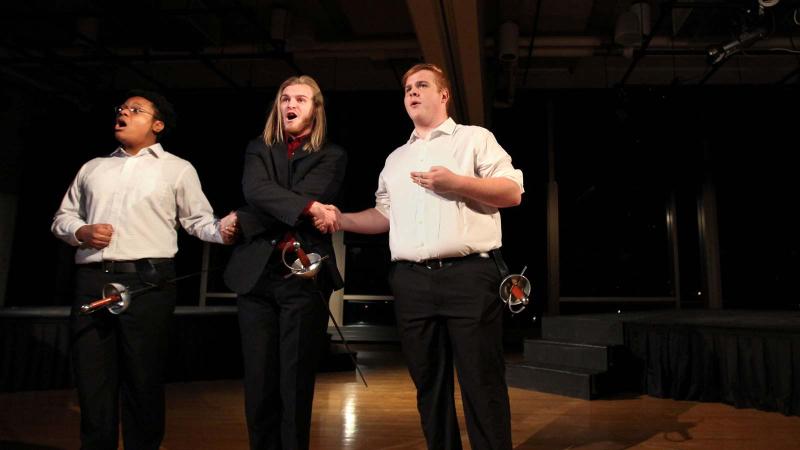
column 559, row 368
column 565, row 343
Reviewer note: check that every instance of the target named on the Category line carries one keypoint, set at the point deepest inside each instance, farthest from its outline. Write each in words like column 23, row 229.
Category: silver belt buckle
column 433, row 264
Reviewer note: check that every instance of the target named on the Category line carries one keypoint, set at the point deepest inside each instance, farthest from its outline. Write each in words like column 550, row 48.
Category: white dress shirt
column 423, row 224
column 143, row 197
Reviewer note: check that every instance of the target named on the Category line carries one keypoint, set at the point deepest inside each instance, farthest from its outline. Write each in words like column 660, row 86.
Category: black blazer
column 276, row 192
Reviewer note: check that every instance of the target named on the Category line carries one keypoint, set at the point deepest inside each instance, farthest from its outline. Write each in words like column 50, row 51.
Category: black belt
column 438, row 263
column 123, row 266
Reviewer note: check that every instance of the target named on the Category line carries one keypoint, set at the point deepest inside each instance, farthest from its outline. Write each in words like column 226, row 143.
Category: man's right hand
column 96, row 236
column 368, row 221
column 326, row 217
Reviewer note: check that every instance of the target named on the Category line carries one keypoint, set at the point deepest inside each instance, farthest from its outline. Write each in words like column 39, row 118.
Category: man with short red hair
column 438, row 197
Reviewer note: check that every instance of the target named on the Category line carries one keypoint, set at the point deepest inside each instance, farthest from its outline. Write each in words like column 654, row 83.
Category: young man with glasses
column 122, row 212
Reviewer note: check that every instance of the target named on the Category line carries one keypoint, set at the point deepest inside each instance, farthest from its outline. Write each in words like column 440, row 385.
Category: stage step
column 542, row 352
column 598, row 329
column 365, row 333
column 577, row 356
column 560, row 380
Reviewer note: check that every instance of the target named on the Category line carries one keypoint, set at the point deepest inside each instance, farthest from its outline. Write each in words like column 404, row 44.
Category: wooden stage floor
column 209, row 415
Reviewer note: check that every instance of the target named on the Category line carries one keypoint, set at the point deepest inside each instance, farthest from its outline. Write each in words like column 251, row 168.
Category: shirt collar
column 300, row 139
column 446, row 127
column 156, row 150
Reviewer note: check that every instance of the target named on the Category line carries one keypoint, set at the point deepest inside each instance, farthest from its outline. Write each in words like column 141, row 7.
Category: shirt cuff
column 73, row 234
column 216, row 236
column 383, row 209
column 515, row 176
column 307, row 208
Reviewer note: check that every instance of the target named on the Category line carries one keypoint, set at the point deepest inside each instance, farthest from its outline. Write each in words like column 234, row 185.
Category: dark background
column 623, row 145
column 619, row 156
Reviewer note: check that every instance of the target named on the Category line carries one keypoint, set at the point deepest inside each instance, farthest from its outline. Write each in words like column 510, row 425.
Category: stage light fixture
column 279, row 25
column 719, row 53
column 508, row 42
column 632, row 25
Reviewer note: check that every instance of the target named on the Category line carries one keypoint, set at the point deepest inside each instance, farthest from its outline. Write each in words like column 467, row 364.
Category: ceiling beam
column 144, row 75
column 450, row 35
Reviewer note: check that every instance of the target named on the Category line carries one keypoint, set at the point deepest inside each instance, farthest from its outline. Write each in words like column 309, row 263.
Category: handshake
column 327, row 218
column 229, row 228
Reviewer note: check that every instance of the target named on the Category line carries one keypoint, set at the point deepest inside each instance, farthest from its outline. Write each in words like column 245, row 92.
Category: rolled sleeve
column 382, row 203
column 492, row 161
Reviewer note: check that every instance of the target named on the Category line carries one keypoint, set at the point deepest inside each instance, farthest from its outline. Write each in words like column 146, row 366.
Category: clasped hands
column 327, row 218
column 229, row 228
column 439, row 179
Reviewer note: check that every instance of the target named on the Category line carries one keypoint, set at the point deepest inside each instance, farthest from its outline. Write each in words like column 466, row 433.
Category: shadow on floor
column 578, row 429
column 10, row 445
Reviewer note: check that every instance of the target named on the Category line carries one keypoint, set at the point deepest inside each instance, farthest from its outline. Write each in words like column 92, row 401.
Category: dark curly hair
column 164, row 111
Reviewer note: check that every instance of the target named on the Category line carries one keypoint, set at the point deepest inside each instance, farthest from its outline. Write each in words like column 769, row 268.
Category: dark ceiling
column 78, row 47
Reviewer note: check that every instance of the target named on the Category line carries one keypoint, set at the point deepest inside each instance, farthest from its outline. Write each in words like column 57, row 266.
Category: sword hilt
column 97, row 304
column 301, row 255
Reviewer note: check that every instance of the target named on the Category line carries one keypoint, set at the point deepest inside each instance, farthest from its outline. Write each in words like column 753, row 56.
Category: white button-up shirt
column 143, row 197
column 423, row 224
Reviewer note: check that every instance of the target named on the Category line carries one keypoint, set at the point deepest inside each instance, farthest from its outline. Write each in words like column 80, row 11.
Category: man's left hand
column 229, row 228
column 438, row 179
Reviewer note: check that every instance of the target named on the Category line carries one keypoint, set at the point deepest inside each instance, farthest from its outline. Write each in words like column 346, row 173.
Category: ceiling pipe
column 545, row 46
column 507, row 54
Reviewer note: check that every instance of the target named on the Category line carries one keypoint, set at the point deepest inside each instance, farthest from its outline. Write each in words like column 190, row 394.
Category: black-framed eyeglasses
column 132, row 109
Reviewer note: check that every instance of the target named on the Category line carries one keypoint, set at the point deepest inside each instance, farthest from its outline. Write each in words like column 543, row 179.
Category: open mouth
column 291, row 116
column 120, row 124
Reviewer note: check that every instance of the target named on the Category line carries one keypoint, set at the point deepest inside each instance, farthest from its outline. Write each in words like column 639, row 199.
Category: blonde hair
column 273, row 131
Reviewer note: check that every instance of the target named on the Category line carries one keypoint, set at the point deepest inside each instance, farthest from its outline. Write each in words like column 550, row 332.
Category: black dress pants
column 119, row 362
column 283, row 323
column 453, row 314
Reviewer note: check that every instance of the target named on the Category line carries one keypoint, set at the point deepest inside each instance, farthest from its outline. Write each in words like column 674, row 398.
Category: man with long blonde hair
column 274, row 132
column 289, row 172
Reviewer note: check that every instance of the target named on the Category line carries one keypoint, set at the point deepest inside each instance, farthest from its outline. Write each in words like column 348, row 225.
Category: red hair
column 438, row 74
